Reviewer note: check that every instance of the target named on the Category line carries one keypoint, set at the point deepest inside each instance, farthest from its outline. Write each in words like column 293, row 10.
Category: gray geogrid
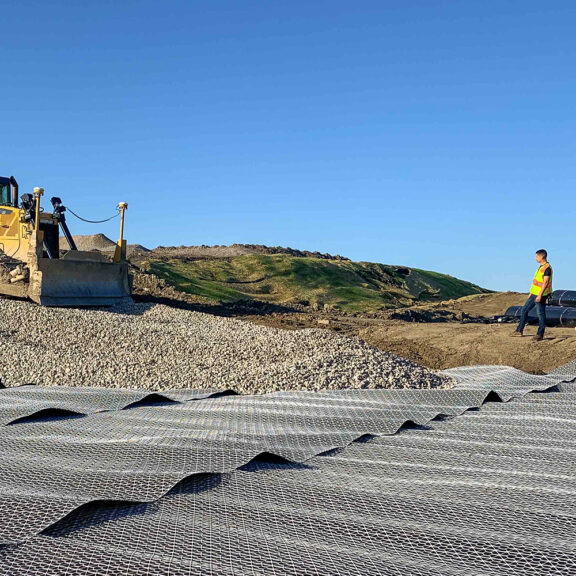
column 479, row 494
column 140, row 454
column 489, row 492
column 29, row 401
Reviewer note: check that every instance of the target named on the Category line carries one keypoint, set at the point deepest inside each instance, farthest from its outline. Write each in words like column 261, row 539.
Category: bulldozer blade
column 79, row 283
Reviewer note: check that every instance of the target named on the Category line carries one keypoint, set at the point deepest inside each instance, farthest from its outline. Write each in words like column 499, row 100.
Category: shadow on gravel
column 239, row 308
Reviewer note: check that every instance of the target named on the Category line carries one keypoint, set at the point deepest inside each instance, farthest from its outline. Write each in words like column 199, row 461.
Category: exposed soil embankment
column 448, row 334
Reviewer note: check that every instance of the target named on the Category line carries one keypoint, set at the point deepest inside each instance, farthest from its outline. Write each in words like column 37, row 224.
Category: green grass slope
column 284, row 279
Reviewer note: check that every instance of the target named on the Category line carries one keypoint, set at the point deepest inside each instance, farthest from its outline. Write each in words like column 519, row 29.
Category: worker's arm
column 545, row 283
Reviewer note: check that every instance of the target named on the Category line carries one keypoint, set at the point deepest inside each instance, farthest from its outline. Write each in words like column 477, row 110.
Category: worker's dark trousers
column 540, row 309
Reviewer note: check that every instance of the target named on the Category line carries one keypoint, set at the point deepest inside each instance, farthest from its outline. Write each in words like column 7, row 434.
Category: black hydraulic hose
column 92, row 221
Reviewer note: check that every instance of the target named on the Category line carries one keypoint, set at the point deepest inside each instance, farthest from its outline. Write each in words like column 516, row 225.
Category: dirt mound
column 89, row 243
column 481, row 305
column 137, row 249
column 221, row 251
column 101, row 243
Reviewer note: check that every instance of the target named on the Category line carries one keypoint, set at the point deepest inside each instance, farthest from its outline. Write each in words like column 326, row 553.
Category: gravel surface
column 157, row 347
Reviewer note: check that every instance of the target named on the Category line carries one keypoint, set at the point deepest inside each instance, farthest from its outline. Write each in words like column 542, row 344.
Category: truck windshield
column 5, row 194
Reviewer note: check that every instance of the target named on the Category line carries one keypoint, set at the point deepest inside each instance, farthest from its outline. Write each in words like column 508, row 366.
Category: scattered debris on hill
column 222, row 251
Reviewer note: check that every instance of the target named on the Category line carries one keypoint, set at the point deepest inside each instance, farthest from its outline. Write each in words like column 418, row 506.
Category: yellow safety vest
column 538, row 281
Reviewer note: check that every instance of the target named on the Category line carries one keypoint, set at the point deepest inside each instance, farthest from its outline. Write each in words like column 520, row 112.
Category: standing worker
column 539, row 293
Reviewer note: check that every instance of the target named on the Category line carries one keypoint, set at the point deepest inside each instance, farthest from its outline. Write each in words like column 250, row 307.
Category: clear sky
column 431, row 133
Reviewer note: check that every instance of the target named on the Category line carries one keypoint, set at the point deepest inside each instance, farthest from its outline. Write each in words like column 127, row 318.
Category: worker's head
column 541, row 256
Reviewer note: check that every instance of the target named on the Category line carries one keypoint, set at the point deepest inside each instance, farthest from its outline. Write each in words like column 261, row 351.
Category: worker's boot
column 517, row 333
column 538, row 338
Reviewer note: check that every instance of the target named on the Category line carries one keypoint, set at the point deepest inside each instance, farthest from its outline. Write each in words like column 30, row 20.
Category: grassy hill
column 286, row 279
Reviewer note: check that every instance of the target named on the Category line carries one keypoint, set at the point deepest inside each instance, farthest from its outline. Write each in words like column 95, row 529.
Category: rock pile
column 158, row 347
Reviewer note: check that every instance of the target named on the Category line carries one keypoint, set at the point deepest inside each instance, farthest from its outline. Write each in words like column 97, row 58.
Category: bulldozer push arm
column 58, row 211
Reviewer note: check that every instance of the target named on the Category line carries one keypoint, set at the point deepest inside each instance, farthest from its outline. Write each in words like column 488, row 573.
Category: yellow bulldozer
column 33, row 265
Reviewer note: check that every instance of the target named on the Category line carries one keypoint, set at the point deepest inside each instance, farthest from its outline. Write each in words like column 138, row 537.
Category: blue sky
column 431, row 133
